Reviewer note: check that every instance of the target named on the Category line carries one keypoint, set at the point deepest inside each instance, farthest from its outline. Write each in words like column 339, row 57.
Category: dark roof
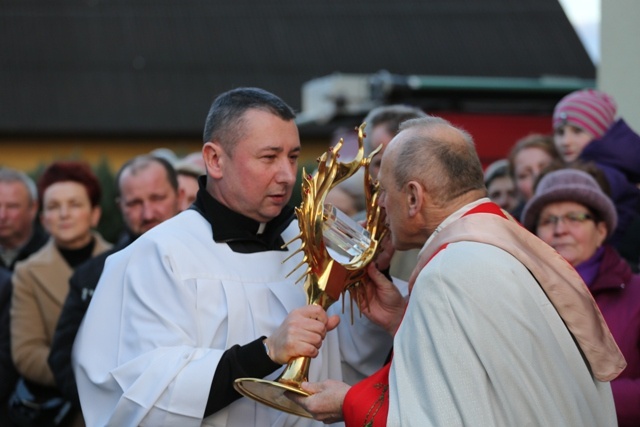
column 154, row 66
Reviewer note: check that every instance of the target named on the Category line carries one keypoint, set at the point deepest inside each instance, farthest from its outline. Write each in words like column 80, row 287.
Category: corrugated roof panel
column 154, row 66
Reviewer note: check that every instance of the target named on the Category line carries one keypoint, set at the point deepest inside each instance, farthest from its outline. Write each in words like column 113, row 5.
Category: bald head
column 440, row 156
column 428, row 171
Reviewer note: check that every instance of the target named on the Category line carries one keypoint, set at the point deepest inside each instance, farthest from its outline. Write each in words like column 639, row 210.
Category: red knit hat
column 588, row 109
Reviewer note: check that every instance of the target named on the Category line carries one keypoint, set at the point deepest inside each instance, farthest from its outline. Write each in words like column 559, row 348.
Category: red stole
column 367, row 402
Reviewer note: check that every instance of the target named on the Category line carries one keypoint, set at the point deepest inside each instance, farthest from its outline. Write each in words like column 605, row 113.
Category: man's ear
column 213, row 156
column 414, row 197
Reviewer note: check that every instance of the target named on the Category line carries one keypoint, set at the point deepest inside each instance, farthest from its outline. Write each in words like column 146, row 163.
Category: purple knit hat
column 569, row 185
column 588, row 109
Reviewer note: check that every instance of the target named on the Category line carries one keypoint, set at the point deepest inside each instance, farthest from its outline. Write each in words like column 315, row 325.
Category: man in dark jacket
column 148, row 194
column 20, row 236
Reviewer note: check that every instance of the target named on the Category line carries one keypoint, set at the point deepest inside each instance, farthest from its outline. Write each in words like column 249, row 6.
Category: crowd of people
column 505, row 295
column 586, row 131
column 52, row 257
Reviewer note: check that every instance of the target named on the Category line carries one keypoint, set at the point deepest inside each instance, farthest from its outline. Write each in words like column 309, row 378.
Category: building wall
column 619, row 69
column 28, row 154
column 494, row 135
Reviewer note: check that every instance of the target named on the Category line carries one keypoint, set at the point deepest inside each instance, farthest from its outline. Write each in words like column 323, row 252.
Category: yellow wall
column 27, row 154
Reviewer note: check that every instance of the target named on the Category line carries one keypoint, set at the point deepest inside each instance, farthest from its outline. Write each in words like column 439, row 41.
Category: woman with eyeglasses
column 570, row 212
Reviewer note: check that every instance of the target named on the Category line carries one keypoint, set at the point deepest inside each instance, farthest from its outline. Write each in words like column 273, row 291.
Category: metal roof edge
column 540, row 84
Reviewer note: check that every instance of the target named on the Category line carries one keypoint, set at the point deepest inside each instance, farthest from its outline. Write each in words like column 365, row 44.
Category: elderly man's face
column 17, row 212
column 393, row 200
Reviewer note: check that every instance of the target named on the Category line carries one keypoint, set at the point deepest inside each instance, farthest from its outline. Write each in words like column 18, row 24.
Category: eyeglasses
column 570, row 219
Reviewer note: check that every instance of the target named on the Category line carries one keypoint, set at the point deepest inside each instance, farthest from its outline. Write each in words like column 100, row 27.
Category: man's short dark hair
column 225, row 119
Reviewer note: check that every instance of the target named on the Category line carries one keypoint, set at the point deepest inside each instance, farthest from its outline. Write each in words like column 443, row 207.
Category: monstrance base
column 271, row 393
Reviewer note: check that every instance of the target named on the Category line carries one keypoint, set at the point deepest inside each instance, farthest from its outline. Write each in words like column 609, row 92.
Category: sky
column 585, row 17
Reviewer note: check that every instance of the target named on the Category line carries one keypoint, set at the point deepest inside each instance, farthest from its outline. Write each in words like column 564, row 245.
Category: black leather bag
column 32, row 405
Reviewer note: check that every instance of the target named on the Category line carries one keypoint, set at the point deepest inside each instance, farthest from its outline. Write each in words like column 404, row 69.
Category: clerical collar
column 261, row 227
column 242, row 234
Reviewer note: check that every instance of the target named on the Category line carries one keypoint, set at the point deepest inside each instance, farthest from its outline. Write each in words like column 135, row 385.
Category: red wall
column 494, row 134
